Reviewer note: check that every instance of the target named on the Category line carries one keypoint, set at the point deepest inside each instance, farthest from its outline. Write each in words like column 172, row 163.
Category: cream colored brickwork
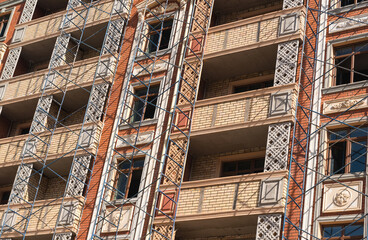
column 203, row 117
column 218, row 198
column 44, row 217
column 63, row 142
column 241, row 36
column 245, row 32
column 49, row 25
column 243, row 194
column 231, row 112
column 248, row 195
column 259, row 108
column 30, row 84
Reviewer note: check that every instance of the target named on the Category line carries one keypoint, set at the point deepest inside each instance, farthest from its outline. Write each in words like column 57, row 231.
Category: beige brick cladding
column 63, row 142
column 30, row 84
column 252, row 106
column 44, row 218
column 246, row 32
column 235, row 193
column 205, row 167
column 50, row 25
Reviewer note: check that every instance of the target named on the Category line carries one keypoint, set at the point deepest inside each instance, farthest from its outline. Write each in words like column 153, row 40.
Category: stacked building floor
column 183, row 119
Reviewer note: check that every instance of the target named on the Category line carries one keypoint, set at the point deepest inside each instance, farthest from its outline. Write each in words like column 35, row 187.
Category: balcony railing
column 256, row 107
column 27, row 85
column 44, row 217
column 233, row 196
column 50, row 25
column 64, row 141
column 269, row 28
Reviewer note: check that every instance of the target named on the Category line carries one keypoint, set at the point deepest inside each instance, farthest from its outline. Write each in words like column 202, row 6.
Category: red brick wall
column 108, row 125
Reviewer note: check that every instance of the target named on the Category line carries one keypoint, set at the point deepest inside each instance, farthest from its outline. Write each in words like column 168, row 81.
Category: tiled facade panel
column 32, row 83
column 51, row 24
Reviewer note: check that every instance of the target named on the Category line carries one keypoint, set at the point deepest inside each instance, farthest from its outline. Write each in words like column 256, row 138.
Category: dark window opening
column 242, row 167
column 144, row 105
column 253, row 86
column 348, row 150
column 4, row 21
column 354, row 231
column 129, row 178
column 350, row 2
column 24, row 130
column 155, row 32
column 351, row 64
column 5, row 197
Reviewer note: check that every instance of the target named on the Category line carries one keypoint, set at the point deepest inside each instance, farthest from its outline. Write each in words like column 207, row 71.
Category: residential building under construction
column 183, row 119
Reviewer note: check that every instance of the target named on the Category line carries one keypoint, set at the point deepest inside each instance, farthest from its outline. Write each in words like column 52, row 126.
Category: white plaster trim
column 315, row 119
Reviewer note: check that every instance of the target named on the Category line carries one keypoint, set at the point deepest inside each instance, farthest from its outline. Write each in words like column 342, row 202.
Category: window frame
column 3, row 190
column 355, row 3
column 150, row 31
column 129, row 177
column 351, row 55
column 10, row 12
column 135, row 99
column 237, row 172
column 343, row 226
column 237, row 157
column 348, row 148
column 250, row 81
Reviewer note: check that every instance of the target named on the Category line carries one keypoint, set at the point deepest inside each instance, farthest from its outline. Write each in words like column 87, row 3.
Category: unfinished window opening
column 4, row 194
column 347, row 150
column 344, row 3
column 73, row 109
column 44, row 8
column 226, row 11
column 345, row 231
column 144, row 103
column 128, row 178
column 351, row 64
column 242, row 167
column 4, row 22
column 252, row 86
column 159, row 34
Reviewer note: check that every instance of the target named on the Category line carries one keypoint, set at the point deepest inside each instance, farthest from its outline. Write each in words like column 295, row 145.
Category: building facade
column 189, row 120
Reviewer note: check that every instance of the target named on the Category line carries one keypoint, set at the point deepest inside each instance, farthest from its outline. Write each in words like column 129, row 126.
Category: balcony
column 44, row 219
column 62, row 145
column 27, row 86
column 50, row 25
column 223, row 123
column 220, row 205
column 255, row 32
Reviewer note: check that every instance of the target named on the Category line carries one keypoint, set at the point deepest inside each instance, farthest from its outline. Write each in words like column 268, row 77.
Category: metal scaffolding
column 165, row 149
column 311, row 154
column 58, row 81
